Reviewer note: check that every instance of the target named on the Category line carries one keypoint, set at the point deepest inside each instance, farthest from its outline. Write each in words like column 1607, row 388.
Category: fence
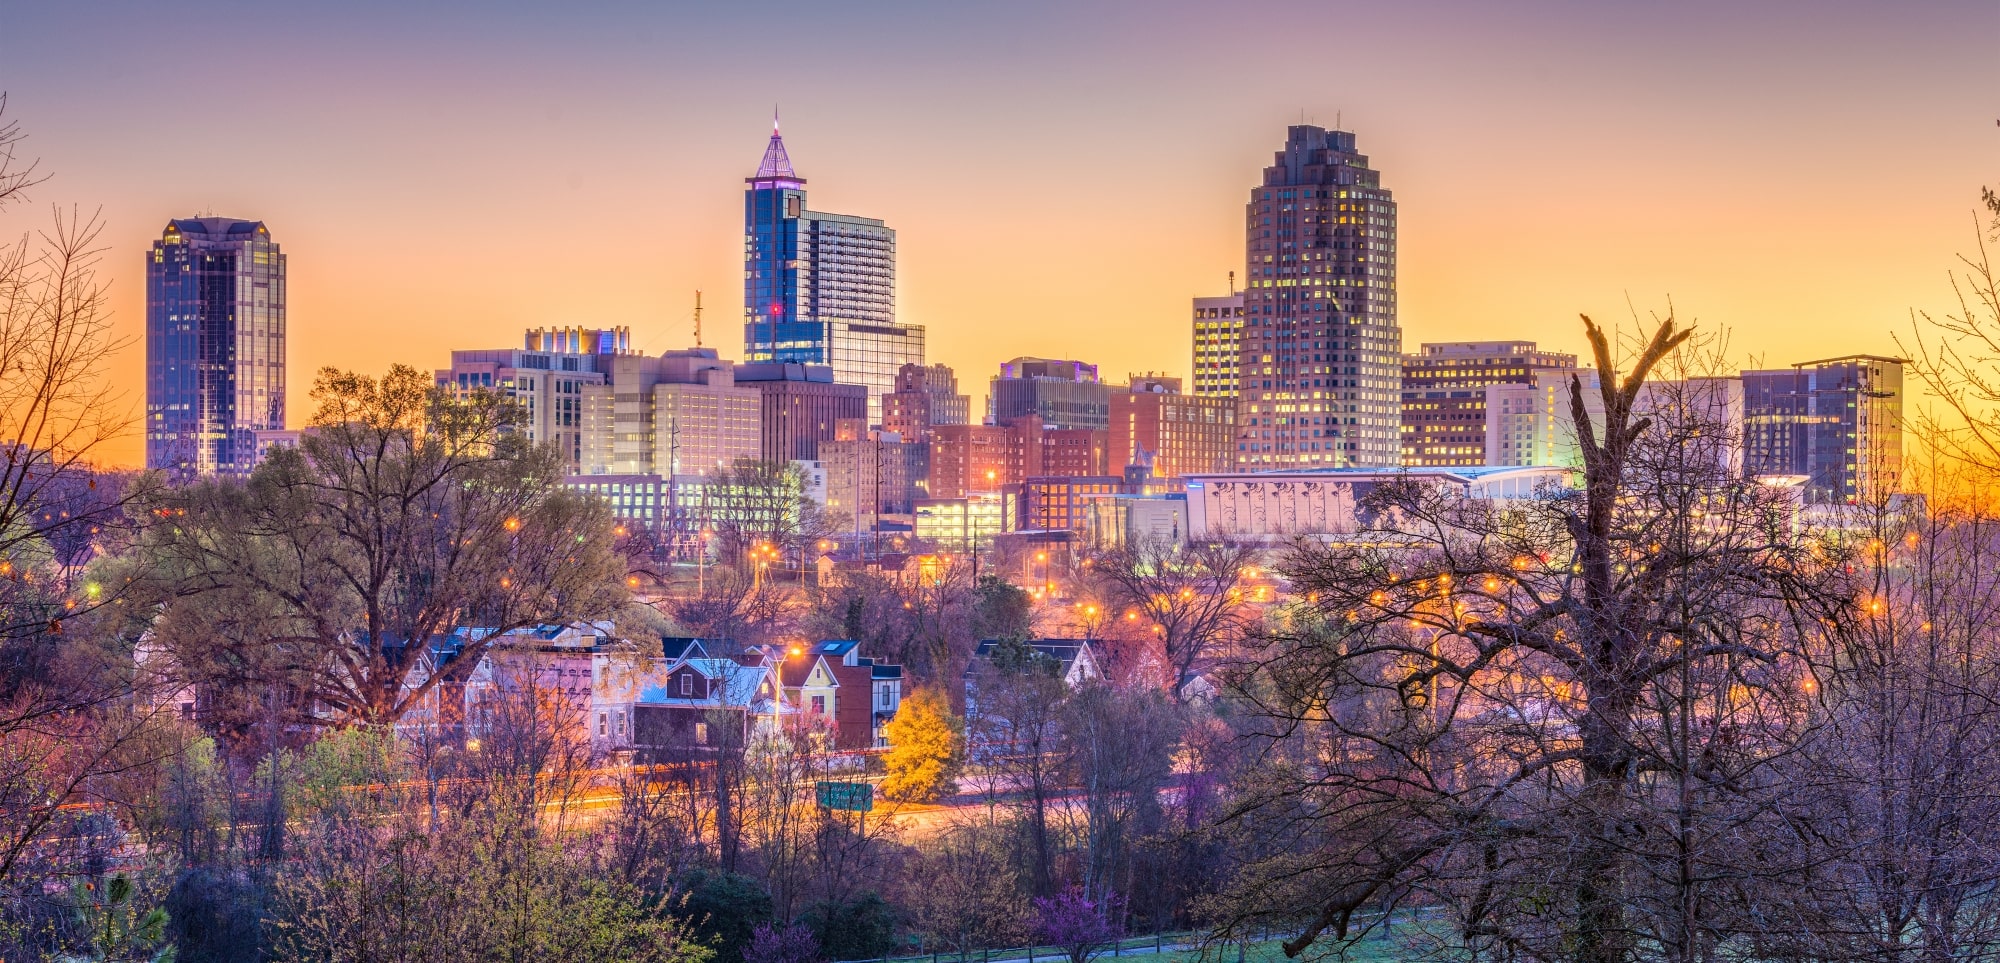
column 1154, row 943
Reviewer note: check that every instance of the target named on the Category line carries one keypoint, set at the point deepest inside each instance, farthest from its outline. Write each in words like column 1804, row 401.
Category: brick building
column 1177, row 434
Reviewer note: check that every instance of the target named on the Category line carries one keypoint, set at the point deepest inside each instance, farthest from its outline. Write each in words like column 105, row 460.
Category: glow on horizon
column 1062, row 178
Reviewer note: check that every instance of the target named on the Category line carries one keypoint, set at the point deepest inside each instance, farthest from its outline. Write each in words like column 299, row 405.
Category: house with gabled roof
column 661, row 707
column 1075, row 661
column 831, row 680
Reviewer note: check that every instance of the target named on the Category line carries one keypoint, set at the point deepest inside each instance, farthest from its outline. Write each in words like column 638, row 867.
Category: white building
column 1531, row 424
column 1274, row 505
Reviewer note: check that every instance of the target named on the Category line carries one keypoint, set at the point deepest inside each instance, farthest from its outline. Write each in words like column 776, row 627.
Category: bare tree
column 1898, row 783
column 1188, row 594
column 1014, row 720
column 1475, row 706
column 68, row 712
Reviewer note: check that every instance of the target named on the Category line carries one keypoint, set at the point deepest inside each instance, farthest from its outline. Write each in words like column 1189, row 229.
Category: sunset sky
column 1062, row 176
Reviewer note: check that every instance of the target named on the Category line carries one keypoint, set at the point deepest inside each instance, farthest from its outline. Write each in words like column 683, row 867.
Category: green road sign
column 856, row 796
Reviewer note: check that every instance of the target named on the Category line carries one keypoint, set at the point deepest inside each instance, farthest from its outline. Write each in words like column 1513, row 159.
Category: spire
column 777, row 164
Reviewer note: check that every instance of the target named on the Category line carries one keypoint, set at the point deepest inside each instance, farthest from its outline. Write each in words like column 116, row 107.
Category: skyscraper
column 1839, row 422
column 1319, row 366
column 820, row 288
column 1218, row 327
column 215, row 345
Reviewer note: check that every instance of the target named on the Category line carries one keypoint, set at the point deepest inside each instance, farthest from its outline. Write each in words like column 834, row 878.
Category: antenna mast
column 697, row 319
column 1232, row 284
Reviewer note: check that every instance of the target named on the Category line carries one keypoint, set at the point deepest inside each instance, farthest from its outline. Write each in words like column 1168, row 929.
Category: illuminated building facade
column 1218, row 332
column 1063, row 394
column 820, row 288
column 1838, row 422
column 1444, row 396
column 1173, row 434
column 1319, row 367
column 549, row 378
column 215, row 345
column 925, row 395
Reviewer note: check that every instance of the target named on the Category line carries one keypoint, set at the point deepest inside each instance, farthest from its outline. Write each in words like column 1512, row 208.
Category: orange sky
column 1062, row 177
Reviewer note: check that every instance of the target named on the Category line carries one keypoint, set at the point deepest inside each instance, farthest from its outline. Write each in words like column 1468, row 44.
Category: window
column 701, row 733
column 621, row 723
column 687, row 683
column 819, row 705
column 603, row 724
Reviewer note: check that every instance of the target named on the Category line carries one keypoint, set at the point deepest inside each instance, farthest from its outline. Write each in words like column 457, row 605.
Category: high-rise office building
column 1218, row 329
column 215, row 345
column 1838, row 422
column 1319, row 364
column 1064, row 394
column 1444, row 396
column 820, row 288
column 548, row 378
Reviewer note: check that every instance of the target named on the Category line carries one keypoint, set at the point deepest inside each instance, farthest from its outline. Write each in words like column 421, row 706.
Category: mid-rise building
column 1444, row 396
column 802, row 406
column 547, row 378
column 1838, row 422
column 1319, row 363
column 963, row 523
column 1218, row 330
column 681, row 413
column 1276, row 506
column 819, row 288
column 1173, row 434
column 1532, row 424
column 1057, row 504
column 1063, row 394
column 1528, row 422
column 967, row 459
column 215, row 345
column 972, row 458
column 925, row 395
column 872, row 473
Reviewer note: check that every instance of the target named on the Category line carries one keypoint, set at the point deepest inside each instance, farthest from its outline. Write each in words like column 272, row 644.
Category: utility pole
column 875, row 510
column 674, row 525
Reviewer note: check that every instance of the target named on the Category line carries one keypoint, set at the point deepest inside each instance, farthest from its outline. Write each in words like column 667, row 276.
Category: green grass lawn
column 1375, row 949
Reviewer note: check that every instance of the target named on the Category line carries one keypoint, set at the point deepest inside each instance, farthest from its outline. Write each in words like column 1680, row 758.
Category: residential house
column 831, row 680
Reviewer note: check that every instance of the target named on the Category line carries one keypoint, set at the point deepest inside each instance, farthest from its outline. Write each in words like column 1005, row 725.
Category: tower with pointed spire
column 820, row 288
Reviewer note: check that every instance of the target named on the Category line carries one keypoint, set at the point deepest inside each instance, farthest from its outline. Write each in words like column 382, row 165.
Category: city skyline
column 1692, row 171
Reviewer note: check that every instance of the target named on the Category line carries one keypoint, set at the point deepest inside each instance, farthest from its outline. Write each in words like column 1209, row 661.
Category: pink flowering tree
column 781, row 944
column 1078, row 925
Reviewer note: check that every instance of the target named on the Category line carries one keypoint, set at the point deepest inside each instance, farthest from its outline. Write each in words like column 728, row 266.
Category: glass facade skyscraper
column 215, row 345
column 1320, row 364
column 820, row 288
